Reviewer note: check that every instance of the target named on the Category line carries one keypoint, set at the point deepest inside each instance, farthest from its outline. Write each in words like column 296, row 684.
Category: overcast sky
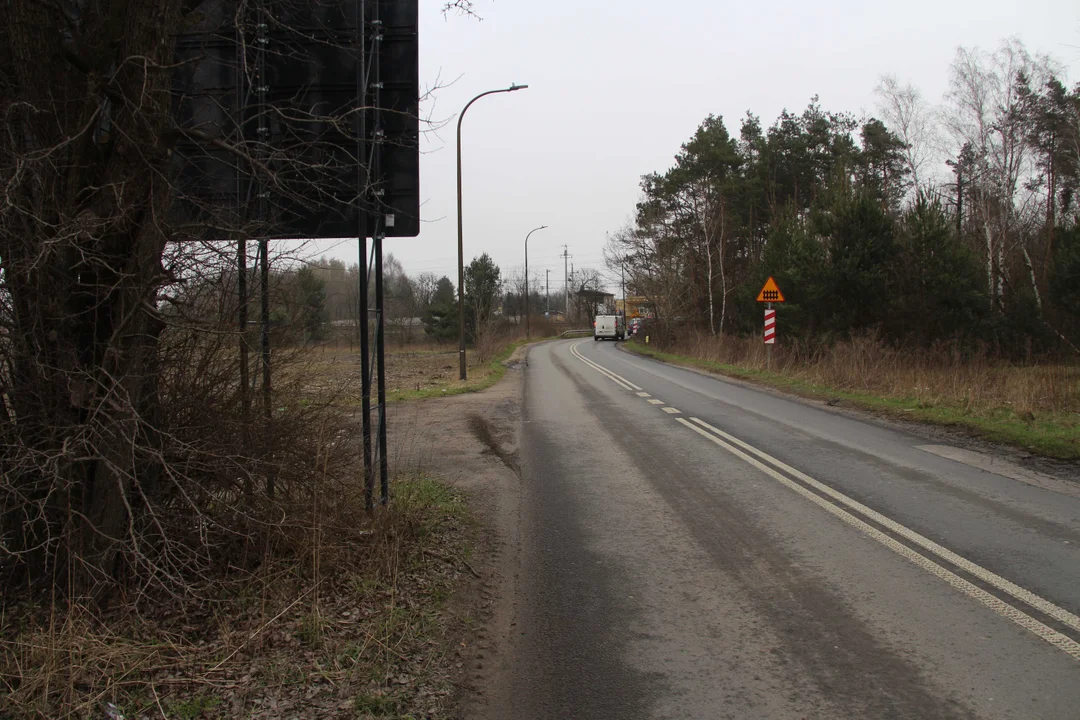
column 616, row 86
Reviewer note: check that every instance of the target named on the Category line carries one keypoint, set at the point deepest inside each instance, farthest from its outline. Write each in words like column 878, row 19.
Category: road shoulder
column 470, row 441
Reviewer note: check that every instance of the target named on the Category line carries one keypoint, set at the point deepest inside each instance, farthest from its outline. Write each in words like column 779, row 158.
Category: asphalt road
column 697, row 549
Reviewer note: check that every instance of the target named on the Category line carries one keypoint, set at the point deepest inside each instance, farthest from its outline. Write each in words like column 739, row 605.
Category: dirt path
column 471, row 441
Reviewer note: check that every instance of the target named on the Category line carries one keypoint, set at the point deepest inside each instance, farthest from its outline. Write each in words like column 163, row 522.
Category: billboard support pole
column 361, row 194
column 380, row 363
column 262, row 218
column 378, row 234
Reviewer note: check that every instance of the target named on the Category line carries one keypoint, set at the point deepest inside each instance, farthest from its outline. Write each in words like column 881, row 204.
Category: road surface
column 694, row 548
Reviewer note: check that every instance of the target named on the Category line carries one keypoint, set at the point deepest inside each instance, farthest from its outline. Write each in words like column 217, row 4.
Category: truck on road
column 609, row 326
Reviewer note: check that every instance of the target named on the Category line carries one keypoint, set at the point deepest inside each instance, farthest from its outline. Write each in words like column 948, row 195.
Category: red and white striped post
column 768, row 295
column 769, row 334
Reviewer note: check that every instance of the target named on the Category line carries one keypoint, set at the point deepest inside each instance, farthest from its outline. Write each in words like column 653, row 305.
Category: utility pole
column 570, row 281
column 566, row 283
column 547, row 293
column 622, row 271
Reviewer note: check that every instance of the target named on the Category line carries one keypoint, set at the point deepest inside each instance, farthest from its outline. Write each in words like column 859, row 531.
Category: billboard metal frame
column 280, row 80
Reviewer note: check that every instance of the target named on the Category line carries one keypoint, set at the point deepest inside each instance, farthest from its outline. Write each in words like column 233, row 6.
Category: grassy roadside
column 480, row 378
column 358, row 626
column 1054, row 434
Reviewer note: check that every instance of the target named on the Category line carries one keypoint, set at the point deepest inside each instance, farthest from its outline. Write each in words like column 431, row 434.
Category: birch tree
column 911, row 118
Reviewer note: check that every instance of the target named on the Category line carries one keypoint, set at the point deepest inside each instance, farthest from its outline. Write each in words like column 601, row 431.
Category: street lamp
column 460, row 244
column 527, row 278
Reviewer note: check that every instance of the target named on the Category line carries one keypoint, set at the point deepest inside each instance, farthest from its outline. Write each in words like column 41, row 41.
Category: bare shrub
column 491, row 332
column 197, row 473
column 542, row 327
column 340, row 604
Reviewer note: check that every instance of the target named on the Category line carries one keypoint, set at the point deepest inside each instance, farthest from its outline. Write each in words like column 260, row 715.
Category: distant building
column 635, row 306
column 595, row 302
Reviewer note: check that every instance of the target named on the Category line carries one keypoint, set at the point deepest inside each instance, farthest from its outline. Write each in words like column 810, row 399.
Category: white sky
column 616, row 86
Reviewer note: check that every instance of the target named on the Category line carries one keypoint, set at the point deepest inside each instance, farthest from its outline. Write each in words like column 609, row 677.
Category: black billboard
column 293, row 114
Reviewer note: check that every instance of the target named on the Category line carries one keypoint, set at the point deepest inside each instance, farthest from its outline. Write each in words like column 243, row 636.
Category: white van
column 609, row 326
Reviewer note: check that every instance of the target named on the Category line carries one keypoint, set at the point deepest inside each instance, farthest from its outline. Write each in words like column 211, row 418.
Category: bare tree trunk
column 1051, row 220
column 703, row 214
column 708, row 254
column 1000, row 268
column 723, row 275
column 81, row 243
column 991, row 285
column 1031, row 272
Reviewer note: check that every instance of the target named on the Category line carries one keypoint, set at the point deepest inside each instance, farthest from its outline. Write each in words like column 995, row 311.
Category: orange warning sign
column 771, row 292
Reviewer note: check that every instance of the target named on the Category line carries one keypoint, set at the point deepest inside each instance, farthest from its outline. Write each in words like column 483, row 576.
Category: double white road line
column 617, row 379
column 888, row 532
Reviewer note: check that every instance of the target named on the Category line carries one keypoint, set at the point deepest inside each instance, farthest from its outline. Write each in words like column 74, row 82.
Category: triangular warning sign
column 771, row 292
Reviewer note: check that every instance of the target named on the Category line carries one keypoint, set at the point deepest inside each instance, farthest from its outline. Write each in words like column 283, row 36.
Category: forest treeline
column 954, row 222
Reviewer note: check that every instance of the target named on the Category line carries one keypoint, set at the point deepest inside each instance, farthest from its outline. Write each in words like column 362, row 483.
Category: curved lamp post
column 527, row 328
column 460, row 244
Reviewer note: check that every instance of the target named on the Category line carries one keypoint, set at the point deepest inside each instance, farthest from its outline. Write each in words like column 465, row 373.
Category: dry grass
column 334, row 372
column 1035, row 406
column 942, row 375
column 336, row 613
column 350, row 623
column 331, row 371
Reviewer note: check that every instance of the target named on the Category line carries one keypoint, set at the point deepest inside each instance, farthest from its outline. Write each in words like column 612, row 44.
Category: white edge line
column 600, row 368
column 1062, row 642
column 610, row 376
column 1022, row 594
column 1058, row 613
